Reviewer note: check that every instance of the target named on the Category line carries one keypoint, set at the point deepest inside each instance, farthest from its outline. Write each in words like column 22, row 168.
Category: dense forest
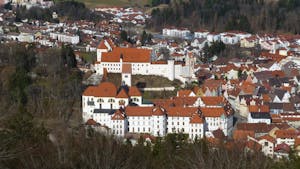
column 220, row 15
column 40, row 124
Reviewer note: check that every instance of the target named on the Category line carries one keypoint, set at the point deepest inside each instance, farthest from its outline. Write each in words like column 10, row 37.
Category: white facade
column 258, row 119
column 169, row 70
column 63, row 37
column 174, row 32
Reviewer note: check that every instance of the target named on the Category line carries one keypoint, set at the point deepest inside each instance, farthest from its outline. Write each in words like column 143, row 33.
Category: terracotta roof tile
column 122, row 94
column 158, row 111
column 212, row 111
column 184, row 93
column 134, row 91
column 289, row 133
column 196, row 118
column 118, row 115
column 126, row 68
column 138, row 111
column 213, row 100
column 239, row 135
column 104, row 89
column 267, row 137
column 260, row 108
column 128, row 55
column 181, row 111
column 91, row 122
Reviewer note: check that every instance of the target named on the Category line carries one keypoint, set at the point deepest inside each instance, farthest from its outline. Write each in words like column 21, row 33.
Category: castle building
column 139, row 61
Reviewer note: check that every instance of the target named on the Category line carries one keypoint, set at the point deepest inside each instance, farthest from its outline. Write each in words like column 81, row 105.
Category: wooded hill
column 221, row 15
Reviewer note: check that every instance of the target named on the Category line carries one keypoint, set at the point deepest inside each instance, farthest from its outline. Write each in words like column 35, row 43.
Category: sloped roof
column 212, row 111
column 134, row 91
column 118, row 115
column 122, row 94
column 196, row 118
column 132, row 55
column 104, row 89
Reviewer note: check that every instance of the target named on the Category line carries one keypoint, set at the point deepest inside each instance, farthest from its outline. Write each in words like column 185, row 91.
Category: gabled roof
column 242, row 134
column 122, row 94
column 196, row 118
column 267, row 137
column 91, row 122
column 158, row 111
column 118, row 115
column 184, row 93
column 134, row 91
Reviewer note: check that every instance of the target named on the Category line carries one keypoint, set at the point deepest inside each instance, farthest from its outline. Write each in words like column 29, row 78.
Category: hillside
column 118, row 3
column 222, row 15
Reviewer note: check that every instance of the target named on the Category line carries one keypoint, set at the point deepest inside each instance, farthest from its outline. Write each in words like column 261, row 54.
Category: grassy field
column 144, row 81
column 118, row 3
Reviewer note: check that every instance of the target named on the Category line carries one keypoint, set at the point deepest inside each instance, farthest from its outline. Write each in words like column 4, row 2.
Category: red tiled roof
column 184, row 93
column 196, row 118
column 134, row 91
column 181, row 111
column 212, row 111
column 261, row 108
column 102, row 45
column 104, row 89
column 289, row 133
column 138, row 111
column 213, row 100
column 158, row 111
column 267, row 137
column 91, row 122
column 132, row 55
column 122, row 94
column 242, row 134
column 118, row 115
column 126, row 68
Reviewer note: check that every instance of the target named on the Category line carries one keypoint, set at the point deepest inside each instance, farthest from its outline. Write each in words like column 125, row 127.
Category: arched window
column 100, row 101
column 111, row 101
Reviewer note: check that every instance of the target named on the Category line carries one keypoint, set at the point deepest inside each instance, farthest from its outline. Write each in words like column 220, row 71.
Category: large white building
column 65, row 37
column 122, row 111
column 113, row 58
column 176, row 32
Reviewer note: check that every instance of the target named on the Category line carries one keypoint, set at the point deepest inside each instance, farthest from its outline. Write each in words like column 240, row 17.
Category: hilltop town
column 227, row 88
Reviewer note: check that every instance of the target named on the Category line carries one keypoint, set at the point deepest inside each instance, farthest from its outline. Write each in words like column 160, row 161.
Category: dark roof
column 280, row 93
column 263, row 75
column 276, row 105
column 260, row 115
column 246, row 96
column 256, row 127
column 109, row 111
column 278, row 81
column 261, row 90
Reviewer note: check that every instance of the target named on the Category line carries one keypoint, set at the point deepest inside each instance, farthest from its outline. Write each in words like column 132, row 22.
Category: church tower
column 126, row 74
